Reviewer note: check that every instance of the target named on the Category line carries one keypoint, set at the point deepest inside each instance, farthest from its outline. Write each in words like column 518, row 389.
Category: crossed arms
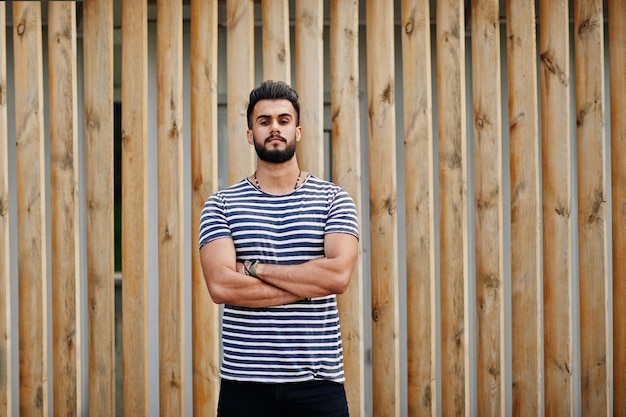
column 278, row 284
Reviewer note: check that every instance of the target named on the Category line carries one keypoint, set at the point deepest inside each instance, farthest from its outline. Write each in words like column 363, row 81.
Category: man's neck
column 277, row 178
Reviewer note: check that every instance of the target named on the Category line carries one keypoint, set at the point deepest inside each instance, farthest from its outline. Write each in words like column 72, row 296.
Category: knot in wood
column 21, row 28
column 376, row 315
column 408, row 28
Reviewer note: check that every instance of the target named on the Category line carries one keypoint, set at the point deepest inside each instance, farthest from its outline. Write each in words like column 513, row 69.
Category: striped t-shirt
column 300, row 341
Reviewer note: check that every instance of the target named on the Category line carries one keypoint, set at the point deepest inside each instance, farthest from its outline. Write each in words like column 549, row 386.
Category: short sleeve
column 213, row 223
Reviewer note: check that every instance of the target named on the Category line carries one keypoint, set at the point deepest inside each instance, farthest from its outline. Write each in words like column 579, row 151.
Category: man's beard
column 274, row 156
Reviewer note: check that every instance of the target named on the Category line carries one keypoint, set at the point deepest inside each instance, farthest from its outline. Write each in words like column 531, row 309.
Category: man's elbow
column 217, row 295
column 342, row 284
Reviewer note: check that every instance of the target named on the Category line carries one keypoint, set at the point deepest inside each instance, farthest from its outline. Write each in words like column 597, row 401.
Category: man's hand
column 228, row 284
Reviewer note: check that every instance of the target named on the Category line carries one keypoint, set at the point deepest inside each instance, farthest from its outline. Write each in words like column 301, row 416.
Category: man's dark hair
column 273, row 90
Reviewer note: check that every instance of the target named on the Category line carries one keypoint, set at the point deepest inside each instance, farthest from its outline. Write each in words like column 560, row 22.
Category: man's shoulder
column 322, row 183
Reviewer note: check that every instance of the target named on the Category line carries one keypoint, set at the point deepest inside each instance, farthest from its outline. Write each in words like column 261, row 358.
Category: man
column 275, row 248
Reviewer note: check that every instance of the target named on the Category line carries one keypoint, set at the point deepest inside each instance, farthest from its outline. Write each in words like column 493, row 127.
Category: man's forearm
column 315, row 278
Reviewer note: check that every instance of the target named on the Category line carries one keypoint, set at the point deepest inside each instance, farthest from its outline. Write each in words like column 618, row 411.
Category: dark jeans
column 296, row 399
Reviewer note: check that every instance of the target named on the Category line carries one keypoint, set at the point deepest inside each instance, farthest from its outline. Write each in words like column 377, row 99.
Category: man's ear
column 250, row 137
column 298, row 133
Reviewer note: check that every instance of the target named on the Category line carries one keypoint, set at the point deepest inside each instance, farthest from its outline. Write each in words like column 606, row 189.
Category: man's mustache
column 273, row 137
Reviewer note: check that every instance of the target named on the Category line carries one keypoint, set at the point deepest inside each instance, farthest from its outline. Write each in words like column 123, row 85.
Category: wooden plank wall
column 419, row 159
column 453, row 210
column 135, row 321
column 557, row 209
column 31, row 210
column 454, row 181
column 525, row 191
column 617, row 110
column 171, row 232
column 346, row 151
column 5, row 273
column 204, row 163
column 383, row 221
column 488, row 206
column 65, row 250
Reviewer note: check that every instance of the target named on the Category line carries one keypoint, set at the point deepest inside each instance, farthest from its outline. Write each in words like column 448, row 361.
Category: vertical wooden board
column 171, row 220
column 617, row 63
column 205, row 319
column 135, row 321
column 525, row 177
column 557, row 208
column 309, row 68
column 276, row 45
column 240, row 80
column 6, row 367
column 346, row 156
column 383, row 208
column 65, row 250
column 453, row 207
column 98, row 79
column 31, row 209
column 593, row 230
column 489, row 241
column 419, row 196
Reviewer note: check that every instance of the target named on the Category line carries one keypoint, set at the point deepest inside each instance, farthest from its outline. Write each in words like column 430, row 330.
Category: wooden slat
column 419, row 196
column 98, row 75
column 135, row 257
column 171, row 214
column 525, row 165
column 617, row 56
column 276, row 45
column 31, row 208
column 489, row 240
column 205, row 318
column 453, row 208
column 309, row 69
column 557, row 208
column 6, row 366
column 383, row 209
column 346, row 145
column 65, row 250
column 240, row 80
column 593, row 233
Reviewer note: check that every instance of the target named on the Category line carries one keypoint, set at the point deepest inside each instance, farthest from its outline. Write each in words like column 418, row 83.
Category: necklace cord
column 256, row 181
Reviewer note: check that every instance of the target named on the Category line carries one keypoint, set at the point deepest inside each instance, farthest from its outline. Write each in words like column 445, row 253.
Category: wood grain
column 617, row 62
column 31, row 209
column 383, row 208
column 593, row 232
column 172, row 379
column 346, row 150
column 204, row 163
column 453, row 212
column 6, row 366
column 419, row 191
column 489, row 240
column 525, row 174
column 309, row 69
column 240, row 80
column 64, row 196
column 98, row 75
column 135, row 256
column 557, row 172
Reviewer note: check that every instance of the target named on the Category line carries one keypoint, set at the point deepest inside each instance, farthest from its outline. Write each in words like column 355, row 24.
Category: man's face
column 274, row 132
